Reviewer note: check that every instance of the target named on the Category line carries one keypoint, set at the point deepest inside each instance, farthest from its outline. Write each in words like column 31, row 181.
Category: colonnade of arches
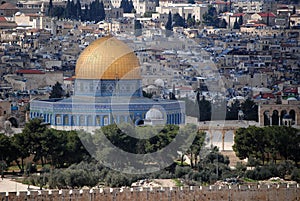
column 280, row 117
column 98, row 120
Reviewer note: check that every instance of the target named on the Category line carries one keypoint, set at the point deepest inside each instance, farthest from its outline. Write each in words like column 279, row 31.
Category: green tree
column 225, row 9
column 196, row 146
column 137, row 28
column 250, row 110
column 232, row 111
column 241, row 20
column 251, row 141
column 211, row 17
column 191, row 20
column 178, row 20
column 6, row 149
column 223, row 24
column 169, row 26
column 50, row 8
column 204, row 108
column 213, row 166
column 286, row 141
column 57, row 91
column 101, row 11
column 22, row 144
column 67, row 11
column 58, row 11
column 127, row 6
column 294, row 10
column 78, row 10
column 192, row 108
column 236, row 24
column 33, row 138
column 240, row 10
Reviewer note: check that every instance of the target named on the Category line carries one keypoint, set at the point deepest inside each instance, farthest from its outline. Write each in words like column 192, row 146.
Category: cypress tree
column 78, row 10
column 169, row 27
column 236, row 24
column 137, row 28
column 101, row 11
column 50, row 9
column 241, row 20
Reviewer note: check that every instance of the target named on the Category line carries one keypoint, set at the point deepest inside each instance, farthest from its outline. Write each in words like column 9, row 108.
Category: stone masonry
column 218, row 193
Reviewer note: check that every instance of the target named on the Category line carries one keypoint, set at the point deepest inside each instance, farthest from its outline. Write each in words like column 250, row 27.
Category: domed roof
column 154, row 114
column 107, row 58
column 159, row 82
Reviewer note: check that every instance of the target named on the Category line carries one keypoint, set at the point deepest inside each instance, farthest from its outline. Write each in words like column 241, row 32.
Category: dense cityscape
column 150, row 94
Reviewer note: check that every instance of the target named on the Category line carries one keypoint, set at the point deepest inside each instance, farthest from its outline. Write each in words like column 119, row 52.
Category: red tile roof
column 30, row 72
column 270, row 14
column 265, row 96
column 8, row 6
column 259, row 25
column 7, row 25
column 3, row 19
column 70, row 79
column 291, row 90
column 221, row 2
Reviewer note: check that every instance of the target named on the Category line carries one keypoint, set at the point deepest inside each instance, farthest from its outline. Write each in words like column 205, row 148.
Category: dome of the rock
column 107, row 58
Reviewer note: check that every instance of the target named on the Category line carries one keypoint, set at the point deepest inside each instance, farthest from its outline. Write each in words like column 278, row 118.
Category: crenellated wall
column 225, row 193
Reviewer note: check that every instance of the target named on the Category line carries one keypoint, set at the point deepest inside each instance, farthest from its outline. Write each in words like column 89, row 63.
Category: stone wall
column 224, row 193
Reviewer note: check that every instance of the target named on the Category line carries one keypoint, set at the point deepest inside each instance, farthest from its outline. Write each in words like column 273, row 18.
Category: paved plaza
column 9, row 185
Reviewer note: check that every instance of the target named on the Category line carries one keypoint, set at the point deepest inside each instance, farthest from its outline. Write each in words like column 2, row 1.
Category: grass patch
column 13, row 168
column 179, row 163
column 249, row 180
column 177, row 182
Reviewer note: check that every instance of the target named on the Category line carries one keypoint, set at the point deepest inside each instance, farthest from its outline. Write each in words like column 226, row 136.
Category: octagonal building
column 107, row 90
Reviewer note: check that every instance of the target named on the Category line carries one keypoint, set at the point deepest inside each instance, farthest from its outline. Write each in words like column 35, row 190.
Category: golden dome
column 107, row 58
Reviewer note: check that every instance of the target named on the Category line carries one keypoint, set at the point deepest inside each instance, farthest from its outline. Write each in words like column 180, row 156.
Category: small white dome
column 159, row 83
column 154, row 114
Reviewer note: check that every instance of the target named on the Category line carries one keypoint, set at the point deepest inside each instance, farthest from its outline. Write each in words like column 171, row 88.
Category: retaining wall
column 193, row 193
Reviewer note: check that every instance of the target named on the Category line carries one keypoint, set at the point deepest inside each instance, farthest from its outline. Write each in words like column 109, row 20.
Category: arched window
column 275, row 117
column 267, row 118
column 282, row 114
column 58, row 119
column 66, row 119
column 89, row 121
column 105, row 120
column 292, row 114
column 98, row 120
column 81, row 120
column 73, row 120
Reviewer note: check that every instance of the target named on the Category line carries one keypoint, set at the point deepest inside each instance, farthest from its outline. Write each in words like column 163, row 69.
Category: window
column 73, row 120
column 81, row 120
column 89, row 121
column 98, row 120
column 66, row 120
column 58, row 119
column 105, row 120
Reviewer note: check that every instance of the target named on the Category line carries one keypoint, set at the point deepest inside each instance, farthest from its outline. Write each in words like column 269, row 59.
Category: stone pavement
column 9, row 185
